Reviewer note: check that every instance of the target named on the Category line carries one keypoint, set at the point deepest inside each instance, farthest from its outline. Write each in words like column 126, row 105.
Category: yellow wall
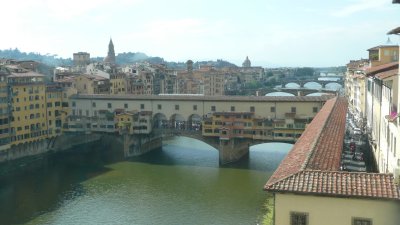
column 55, row 113
column 28, row 100
column 386, row 55
column 4, row 116
column 335, row 211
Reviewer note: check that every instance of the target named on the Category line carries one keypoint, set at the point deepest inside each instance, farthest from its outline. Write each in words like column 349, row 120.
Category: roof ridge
column 315, row 141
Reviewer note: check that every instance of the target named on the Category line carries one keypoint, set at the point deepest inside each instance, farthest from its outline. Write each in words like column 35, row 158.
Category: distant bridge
column 301, row 83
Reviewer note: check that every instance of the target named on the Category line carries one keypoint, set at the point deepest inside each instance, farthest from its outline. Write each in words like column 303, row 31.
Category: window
column 315, row 109
column 232, row 108
column 252, row 109
column 293, row 110
column 94, row 104
column 57, row 104
column 49, row 104
column 176, row 107
column 109, row 105
column 159, row 107
column 142, row 106
column 213, row 108
column 73, row 104
column 361, row 221
column 298, row 218
column 126, row 105
column 272, row 108
column 194, row 107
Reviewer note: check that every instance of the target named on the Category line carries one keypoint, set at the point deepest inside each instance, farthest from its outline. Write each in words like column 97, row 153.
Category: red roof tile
column 339, row 184
column 313, row 164
column 387, row 74
column 305, row 149
column 377, row 69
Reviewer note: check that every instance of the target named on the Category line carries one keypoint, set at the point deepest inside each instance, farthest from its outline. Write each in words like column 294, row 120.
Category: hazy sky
column 270, row 32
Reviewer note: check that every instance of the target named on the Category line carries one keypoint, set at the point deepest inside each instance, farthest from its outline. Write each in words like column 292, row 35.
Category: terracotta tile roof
column 328, row 149
column 313, row 164
column 339, row 184
column 387, row 74
column 305, row 153
column 377, row 69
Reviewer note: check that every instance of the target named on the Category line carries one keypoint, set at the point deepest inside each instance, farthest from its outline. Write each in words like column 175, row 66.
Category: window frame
column 293, row 214
column 361, row 219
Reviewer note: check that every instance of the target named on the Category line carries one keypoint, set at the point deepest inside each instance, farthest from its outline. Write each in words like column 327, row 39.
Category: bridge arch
column 333, row 86
column 279, row 93
column 160, row 120
column 317, row 94
column 194, row 122
column 292, row 85
column 313, row 85
column 177, row 121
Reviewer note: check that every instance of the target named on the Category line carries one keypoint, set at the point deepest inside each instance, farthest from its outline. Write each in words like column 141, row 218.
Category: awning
column 395, row 31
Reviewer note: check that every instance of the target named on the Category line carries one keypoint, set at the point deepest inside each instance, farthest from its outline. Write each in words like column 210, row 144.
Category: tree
column 304, row 71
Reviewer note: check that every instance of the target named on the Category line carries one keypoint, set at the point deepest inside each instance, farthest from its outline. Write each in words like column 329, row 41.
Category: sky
column 271, row 33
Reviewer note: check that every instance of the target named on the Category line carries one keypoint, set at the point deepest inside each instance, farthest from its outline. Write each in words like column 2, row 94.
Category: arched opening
column 312, row 85
column 267, row 156
column 178, row 122
column 333, row 86
column 292, row 85
column 317, row 94
column 160, row 121
column 279, row 93
column 194, row 122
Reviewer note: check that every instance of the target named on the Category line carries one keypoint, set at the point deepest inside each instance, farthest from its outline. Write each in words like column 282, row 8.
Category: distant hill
column 121, row 58
column 50, row 60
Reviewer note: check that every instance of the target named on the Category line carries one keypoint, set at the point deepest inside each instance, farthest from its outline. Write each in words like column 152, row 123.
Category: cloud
column 360, row 6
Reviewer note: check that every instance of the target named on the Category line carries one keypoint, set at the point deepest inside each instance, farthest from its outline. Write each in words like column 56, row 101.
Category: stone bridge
column 301, row 83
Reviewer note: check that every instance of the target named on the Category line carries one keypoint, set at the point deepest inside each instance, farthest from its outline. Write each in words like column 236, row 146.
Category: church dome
column 246, row 62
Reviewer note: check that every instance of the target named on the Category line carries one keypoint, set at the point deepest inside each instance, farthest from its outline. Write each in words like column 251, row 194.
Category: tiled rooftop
column 339, row 184
column 387, row 74
column 313, row 164
column 377, row 69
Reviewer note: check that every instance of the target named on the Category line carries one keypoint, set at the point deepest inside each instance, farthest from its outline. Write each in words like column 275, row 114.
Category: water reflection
column 333, row 86
column 279, row 93
column 292, row 85
column 163, row 187
column 312, row 85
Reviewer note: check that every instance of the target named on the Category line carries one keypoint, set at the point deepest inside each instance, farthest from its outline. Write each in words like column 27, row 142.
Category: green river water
column 180, row 184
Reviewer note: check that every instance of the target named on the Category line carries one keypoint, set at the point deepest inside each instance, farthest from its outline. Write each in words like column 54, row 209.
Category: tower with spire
column 110, row 58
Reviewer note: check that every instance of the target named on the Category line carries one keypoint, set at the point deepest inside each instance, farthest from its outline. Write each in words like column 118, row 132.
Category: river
column 180, row 184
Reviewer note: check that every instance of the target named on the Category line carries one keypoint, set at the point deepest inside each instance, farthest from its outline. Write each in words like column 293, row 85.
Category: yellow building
column 4, row 111
column 28, row 121
column 92, row 84
column 124, row 122
column 134, row 122
column 55, row 111
column 119, row 84
column 383, row 54
column 227, row 125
